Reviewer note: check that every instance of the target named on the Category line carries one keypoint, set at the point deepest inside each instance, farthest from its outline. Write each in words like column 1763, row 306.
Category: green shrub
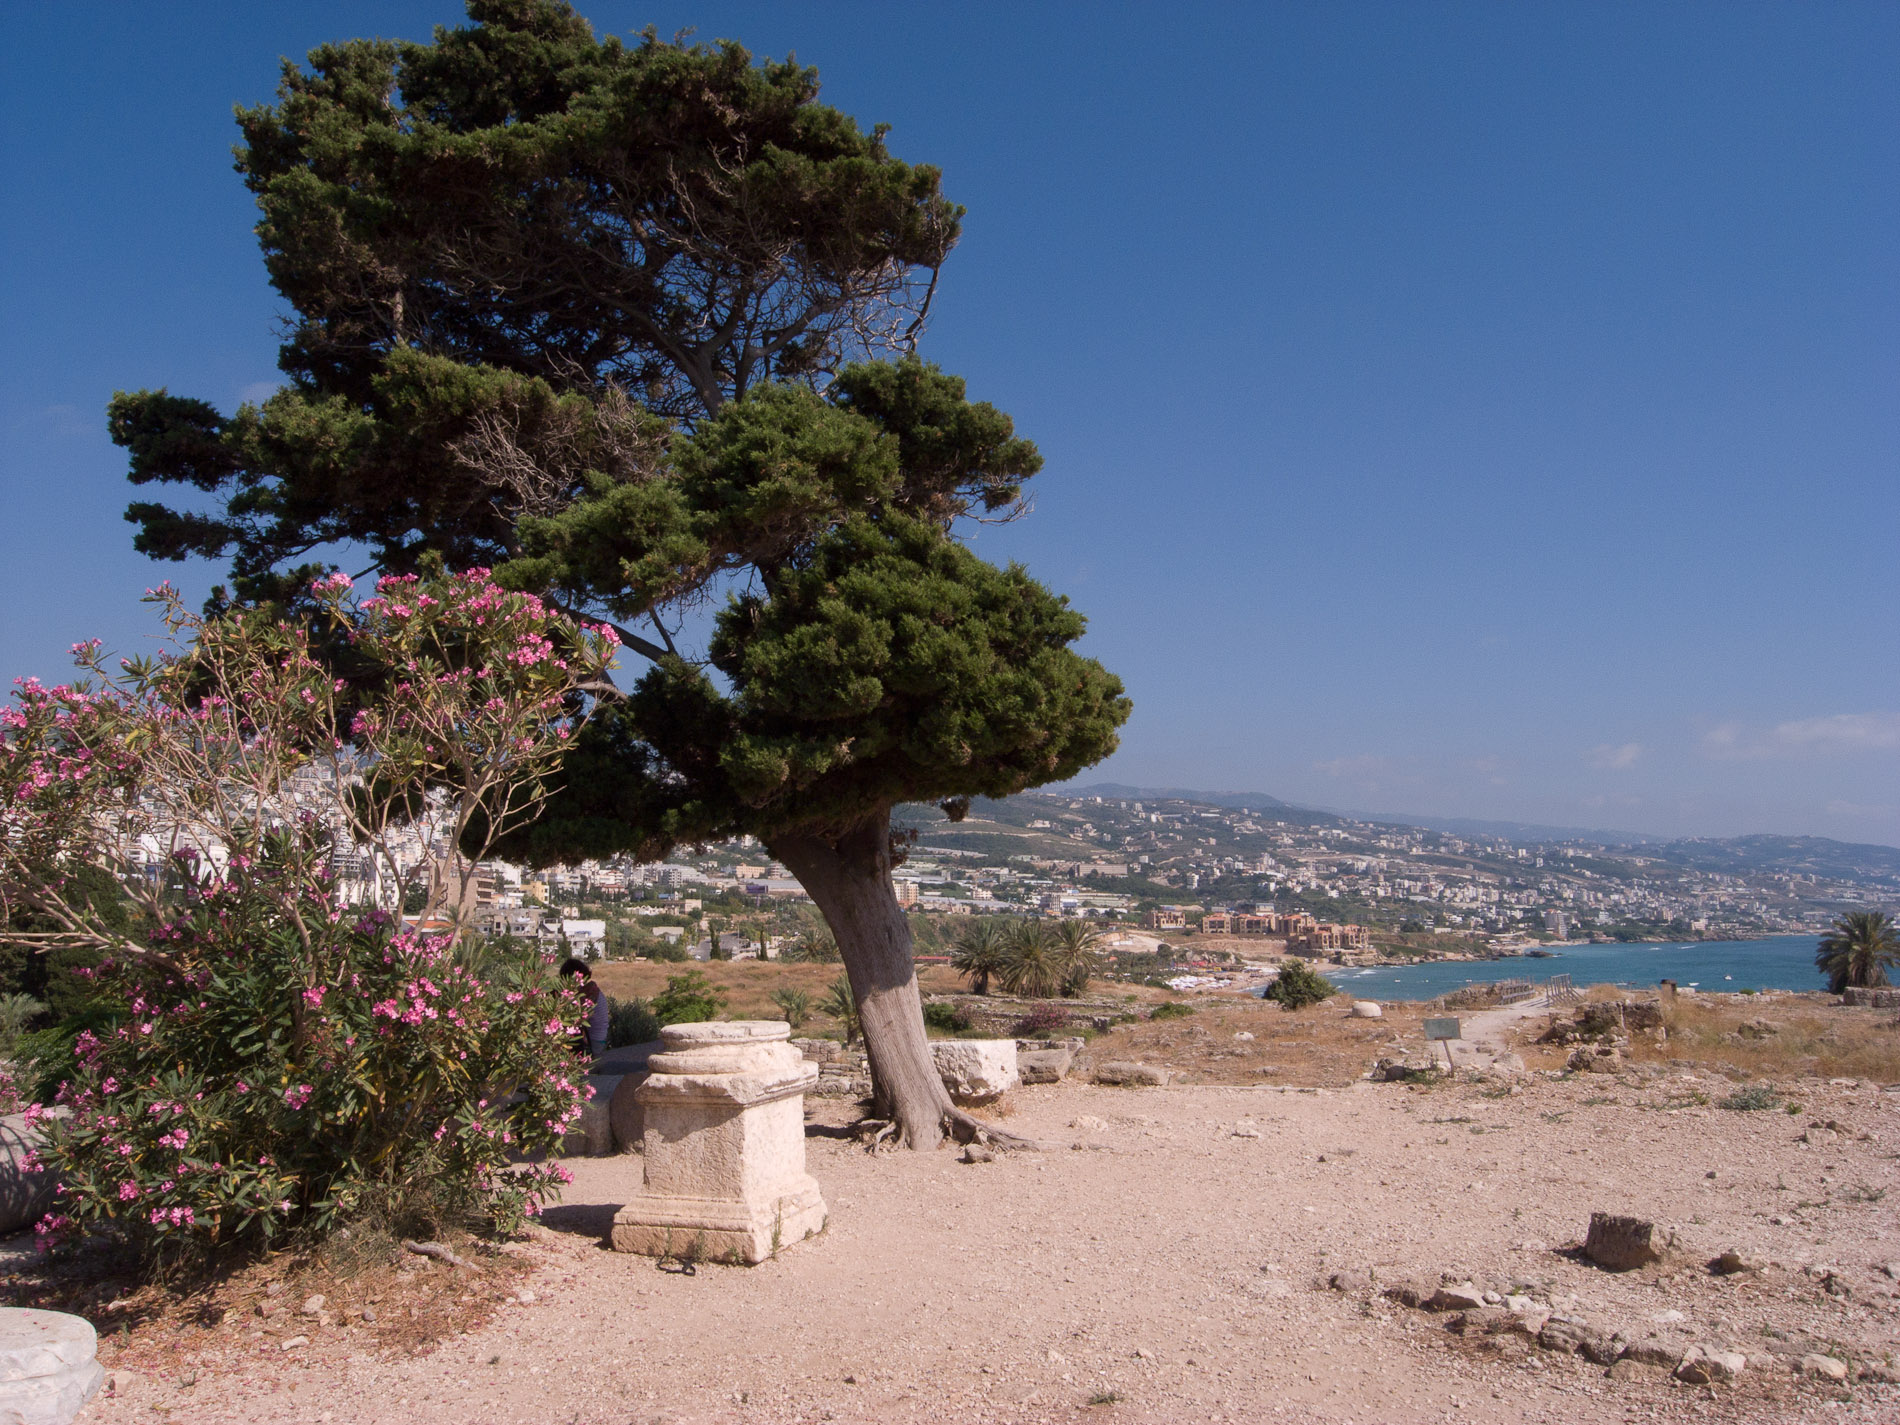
column 948, row 1018
column 1299, row 985
column 1753, row 1099
column 229, row 1105
column 688, row 999
column 795, row 1005
column 842, row 1005
column 631, row 1021
column 1173, row 1009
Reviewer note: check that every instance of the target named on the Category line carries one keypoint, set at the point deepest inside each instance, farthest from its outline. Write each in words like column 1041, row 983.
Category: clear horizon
column 1465, row 409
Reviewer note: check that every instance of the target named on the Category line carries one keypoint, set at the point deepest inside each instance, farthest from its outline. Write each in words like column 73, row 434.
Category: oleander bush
column 228, row 1105
column 258, row 1050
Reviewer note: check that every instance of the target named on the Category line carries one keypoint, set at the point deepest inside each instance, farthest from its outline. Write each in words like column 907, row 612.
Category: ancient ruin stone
column 1044, row 1066
column 1622, row 1243
column 976, row 1071
column 1130, row 1075
column 724, row 1146
column 47, row 1366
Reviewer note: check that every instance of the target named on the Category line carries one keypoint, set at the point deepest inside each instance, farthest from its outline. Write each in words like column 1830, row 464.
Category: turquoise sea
column 1781, row 962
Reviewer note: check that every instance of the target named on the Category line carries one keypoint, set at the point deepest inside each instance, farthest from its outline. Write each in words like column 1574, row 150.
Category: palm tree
column 980, row 952
column 842, row 1005
column 1857, row 949
column 1032, row 964
column 794, row 1004
column 1075, row 949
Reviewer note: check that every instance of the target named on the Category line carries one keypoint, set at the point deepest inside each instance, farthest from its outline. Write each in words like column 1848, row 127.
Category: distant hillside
column 1245, row 801
column 1790, row 855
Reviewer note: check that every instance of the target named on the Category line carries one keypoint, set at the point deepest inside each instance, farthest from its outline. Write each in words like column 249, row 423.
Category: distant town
column 1207, row 875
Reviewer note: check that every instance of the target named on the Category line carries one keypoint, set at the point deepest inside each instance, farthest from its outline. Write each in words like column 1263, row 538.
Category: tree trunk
column 850, row 880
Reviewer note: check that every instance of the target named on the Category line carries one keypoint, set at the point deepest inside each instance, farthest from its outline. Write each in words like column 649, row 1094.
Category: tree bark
column 849, row 878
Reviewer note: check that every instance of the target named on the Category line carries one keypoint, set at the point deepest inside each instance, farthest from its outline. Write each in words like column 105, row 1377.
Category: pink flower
column 298, row 1095
column 314, row 997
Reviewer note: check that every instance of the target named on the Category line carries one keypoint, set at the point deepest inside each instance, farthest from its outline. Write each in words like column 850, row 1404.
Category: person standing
column 590, row 1035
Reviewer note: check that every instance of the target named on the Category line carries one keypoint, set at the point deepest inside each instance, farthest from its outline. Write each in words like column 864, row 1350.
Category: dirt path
column 1172, row 1269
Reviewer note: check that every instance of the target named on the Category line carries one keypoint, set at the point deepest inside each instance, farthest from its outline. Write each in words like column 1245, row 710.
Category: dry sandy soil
column 1171, row 1265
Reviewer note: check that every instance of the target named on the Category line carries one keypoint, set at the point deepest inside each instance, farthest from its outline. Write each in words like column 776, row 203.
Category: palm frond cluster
column 1858, row 949
column 1037, row 959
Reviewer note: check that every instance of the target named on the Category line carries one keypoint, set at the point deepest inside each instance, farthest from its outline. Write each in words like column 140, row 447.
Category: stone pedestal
column 47, row 1370
column 723, row 1146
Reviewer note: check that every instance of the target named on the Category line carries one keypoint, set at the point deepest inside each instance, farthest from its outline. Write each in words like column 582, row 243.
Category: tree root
column 438, row 1251
column 968, row 1128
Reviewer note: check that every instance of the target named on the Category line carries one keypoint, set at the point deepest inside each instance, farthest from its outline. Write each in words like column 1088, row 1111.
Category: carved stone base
column 706, row 1229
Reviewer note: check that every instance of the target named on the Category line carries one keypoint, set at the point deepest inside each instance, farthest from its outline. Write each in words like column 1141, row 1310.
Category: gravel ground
column 1172, row 1266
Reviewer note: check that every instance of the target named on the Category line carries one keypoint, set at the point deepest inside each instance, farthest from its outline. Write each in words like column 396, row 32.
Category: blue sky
column 1479, row 410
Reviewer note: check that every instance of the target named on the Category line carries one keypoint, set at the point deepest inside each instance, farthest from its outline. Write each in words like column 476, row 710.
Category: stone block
column 1123, row 1074
column 25, row 1196
column 592, row 1135
column 1702, row 1366
column 724, row 1146
column 626, row 1119
column 1044, row 1066
column 976, row 1070
column 1622, row 1243
column 47, row 1366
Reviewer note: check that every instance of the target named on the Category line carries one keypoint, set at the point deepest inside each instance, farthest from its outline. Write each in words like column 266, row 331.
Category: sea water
column 1781, row 962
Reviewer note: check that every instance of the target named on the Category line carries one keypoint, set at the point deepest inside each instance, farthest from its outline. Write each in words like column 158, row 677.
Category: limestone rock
column 1463, row 1297
column 1702, row 1366
column 47, row 1366
column 1822, row 1367
column 1652, row 1351
column 1622, row 1243
column 25, row 1197
column 724, row 1175
column 1367, row 1009
column 1088, row 1123
column 1044, row 1066
column 1578, row 1338
column 1124, row 1074
column 976, row 1070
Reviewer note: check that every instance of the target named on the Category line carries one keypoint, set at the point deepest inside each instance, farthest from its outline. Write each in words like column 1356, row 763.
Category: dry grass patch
column 1317, row 1047
column 1776, row 1034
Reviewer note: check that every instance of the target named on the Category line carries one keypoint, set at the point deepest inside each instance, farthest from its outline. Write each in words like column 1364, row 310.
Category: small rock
column 1463, row 1297
column 1124, row 1074
column 1350, row 1282
column 1088, row 1123
column 1731, row 1262
column 274, row 1289
column 313, row 1304
column 1564, row 1333
column 369, row 1314
column 1652, row 1351
column 1622, row 1243
column 1701, row 1366
column 977, row 1153
column 295, row 1343
column 1243, row 1129
column 525, row 1297
column 1244, row 1036
column 1822, row 1367
column 1367, row 1009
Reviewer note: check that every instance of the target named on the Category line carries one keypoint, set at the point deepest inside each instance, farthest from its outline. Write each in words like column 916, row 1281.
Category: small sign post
column 1445, row 1030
